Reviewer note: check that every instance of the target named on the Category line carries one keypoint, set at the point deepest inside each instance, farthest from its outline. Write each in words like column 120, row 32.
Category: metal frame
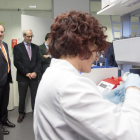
column 114, row 30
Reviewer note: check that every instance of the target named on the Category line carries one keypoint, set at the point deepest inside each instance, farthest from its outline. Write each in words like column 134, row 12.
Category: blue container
column 105, row 66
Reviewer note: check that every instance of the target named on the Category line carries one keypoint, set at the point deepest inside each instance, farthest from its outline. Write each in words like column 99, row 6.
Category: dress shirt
column 27, row 46
column 46, row 45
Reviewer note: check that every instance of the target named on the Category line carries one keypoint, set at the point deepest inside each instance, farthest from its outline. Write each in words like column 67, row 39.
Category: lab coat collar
column 61, row 63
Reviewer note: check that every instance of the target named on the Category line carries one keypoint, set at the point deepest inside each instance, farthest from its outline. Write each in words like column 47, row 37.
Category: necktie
column 29, row 51
column 5, row 55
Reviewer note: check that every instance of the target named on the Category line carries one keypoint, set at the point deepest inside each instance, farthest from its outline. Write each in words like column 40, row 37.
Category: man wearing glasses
column 27, row 60
column 5, row 79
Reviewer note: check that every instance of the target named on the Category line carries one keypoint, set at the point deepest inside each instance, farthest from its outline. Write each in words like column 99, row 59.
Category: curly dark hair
column 73, row 33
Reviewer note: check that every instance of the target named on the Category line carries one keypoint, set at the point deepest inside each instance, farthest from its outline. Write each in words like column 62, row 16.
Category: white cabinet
column 117, row 9
column 126, row 51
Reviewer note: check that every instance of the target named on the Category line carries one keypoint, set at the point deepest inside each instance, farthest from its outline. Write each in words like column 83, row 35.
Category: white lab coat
column 70, row 107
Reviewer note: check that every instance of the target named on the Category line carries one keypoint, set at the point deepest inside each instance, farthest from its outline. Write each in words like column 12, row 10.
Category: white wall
column 105, row 21
column 12, row 23
column 61, row 6
column 39, row 25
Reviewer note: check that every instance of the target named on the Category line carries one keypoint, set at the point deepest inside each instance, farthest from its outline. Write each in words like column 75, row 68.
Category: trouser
column 4, row 100
column 23, row 87
column 1, row 134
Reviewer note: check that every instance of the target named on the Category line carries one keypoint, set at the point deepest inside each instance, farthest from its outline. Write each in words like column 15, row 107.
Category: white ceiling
column 8, row 5
column 24, row 4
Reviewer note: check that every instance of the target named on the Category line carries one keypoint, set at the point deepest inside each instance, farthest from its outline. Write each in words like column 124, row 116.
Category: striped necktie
column 29, row 50
column 5, row 55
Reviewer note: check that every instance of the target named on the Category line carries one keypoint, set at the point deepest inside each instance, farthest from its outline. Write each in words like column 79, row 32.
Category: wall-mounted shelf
column 117, row 9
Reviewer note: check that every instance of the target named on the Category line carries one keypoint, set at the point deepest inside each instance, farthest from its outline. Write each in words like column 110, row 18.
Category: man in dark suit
column 27, row 60
column 110, row 56
column 5, row 79
column 45, row 57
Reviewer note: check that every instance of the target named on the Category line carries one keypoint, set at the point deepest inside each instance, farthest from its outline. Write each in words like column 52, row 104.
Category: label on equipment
column 105, row 87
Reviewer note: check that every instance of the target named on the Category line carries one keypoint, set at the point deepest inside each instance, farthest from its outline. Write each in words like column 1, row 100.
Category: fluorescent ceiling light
column 32, row 6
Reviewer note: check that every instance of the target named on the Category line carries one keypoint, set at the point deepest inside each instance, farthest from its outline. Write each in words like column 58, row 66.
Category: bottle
column 125, row 75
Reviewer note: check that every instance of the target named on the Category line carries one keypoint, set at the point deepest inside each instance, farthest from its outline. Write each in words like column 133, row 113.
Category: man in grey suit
column 27, row 60
column 44, row 52
column 5, row 80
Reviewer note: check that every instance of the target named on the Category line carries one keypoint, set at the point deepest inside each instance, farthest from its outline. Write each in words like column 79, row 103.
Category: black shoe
column 20, row 118
column 4, row 131
column 8, row 123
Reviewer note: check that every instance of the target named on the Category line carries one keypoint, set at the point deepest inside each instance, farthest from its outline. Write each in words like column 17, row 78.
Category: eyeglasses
column 30, row 36
column 2, row 32
column 98, row 54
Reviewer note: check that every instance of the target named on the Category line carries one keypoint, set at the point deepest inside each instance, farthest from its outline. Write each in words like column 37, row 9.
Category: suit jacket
column 109, row 54
column 4, row 67
column 23, row 63
column 44, row 61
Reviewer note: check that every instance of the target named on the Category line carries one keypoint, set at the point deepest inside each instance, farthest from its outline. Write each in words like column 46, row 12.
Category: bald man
column 27, row 60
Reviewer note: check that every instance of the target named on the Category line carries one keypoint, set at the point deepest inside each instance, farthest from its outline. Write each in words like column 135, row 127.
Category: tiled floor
column 22, row 131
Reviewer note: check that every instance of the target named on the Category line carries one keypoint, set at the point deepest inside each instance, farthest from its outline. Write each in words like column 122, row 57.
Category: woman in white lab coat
column 69, row 106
